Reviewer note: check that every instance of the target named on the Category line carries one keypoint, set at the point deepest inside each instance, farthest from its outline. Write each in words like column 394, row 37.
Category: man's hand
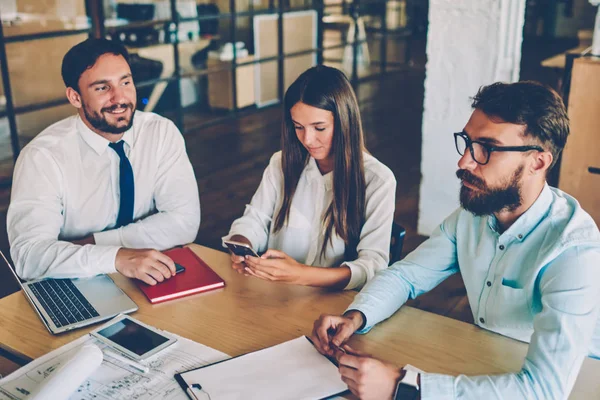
column 333, row 330
column 150, row 266
column 367, row 378
column 276, row 266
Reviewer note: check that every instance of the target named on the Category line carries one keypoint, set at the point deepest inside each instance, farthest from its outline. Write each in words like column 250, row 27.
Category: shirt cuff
column 358, row 276
column 105, row 257
column 247, row 235
column 109, row 238
column 437, row 386
column 367, row 327
column 227, row 237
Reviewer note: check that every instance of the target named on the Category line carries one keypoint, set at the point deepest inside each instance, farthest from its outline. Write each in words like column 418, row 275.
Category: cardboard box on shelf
column 580, row 165
column 220, row 92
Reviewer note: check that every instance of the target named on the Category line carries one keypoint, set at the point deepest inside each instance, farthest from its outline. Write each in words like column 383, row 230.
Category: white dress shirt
column 66, row 187
column 302, row 236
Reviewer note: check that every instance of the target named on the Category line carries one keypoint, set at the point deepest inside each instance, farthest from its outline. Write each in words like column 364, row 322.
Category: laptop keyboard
column 63, row 302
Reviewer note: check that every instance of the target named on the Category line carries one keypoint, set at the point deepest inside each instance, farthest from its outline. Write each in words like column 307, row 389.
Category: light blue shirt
column 538, row 282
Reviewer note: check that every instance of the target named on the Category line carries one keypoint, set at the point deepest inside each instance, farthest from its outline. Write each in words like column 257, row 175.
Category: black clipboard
column 190, row 388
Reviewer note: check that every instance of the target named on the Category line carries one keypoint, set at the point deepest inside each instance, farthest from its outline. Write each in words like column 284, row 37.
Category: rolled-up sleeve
column 255, row 224
column 569, row 290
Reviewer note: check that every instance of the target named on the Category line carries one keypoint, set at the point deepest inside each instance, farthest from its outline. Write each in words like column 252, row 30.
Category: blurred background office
column 219, row 69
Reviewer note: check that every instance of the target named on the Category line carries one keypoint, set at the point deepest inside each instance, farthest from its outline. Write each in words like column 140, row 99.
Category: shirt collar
column 97, row 142
column 313, row 174
column 530, row 219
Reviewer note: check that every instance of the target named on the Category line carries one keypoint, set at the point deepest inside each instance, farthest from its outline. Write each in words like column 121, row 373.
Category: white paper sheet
column 114, row 379
column 293, row 370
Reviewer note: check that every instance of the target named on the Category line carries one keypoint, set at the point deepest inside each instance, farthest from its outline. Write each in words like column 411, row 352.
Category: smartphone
column 179, row 268
column 240, row 249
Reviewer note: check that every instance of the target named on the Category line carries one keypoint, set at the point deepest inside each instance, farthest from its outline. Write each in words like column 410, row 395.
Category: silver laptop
column 66, row 304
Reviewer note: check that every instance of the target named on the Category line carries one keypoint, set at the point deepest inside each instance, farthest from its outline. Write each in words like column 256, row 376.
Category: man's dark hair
column 84, row 55
column 539, row 108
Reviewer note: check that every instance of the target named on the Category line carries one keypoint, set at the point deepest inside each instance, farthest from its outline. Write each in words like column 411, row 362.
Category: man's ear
column 541, row 162
column 74, row 97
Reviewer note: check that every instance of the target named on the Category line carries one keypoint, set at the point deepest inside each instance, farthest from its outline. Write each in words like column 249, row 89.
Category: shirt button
column 501, row 247
column 489, row 283
column 482, row 320
column 520, row 236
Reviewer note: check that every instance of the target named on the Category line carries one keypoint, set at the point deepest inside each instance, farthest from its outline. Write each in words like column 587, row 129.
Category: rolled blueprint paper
column 596, row 39
column 70, row 375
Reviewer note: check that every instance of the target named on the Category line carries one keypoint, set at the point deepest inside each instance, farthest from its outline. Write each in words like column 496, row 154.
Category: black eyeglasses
column 481, row 151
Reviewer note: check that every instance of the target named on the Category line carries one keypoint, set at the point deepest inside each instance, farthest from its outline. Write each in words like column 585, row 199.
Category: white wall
column 470, row 43
column 8, row 10
column 5, row 145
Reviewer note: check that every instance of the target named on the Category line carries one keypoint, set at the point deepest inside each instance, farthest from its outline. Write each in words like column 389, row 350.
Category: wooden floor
column 229, row 159
column 7, row 366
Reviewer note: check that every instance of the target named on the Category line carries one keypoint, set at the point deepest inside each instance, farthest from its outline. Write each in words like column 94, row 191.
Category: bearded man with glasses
column 528, row 254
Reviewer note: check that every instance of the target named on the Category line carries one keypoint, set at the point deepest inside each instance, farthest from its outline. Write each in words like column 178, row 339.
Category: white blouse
column 302, row 236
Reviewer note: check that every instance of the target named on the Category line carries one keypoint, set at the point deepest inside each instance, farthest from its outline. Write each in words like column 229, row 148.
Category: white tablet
column 133, row 338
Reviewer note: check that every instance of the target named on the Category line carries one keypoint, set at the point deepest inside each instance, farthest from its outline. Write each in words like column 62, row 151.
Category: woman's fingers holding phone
column 272, row 253
column 237, row 263
column 239, row 268
column 235, row 259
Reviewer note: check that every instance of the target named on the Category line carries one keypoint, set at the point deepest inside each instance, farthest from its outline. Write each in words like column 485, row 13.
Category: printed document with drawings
column 114, row 379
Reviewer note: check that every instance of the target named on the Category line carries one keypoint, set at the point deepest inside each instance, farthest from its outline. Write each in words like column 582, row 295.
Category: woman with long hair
column 323, row 201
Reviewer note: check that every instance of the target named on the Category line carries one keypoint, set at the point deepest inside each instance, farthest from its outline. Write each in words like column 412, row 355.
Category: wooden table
column 559, row 61
column 250, row 314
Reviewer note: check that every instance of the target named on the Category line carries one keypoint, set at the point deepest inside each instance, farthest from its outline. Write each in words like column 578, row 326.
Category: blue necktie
column 126, row 186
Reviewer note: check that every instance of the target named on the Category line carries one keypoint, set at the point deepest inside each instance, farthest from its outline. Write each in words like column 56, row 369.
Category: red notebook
column 197, row 277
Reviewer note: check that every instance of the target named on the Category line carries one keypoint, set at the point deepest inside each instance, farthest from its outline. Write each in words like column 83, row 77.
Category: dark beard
column 100, row 123
column 488, row 200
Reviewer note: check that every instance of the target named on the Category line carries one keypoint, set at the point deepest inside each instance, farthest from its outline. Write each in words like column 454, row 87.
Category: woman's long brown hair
column 328, row 89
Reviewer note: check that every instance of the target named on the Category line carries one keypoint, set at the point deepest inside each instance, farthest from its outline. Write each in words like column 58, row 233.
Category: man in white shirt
column 105, row 190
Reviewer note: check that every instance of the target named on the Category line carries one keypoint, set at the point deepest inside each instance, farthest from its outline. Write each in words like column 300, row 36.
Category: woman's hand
column 238, row 265
column 276, row 266
column 237, row 262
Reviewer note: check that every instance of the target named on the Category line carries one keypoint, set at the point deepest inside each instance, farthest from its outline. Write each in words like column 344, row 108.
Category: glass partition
column 197, row 62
